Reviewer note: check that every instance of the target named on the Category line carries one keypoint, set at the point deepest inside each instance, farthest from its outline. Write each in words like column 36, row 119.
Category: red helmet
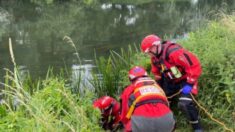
column 149, row 41
column 105, row 104
column 109, row 107
column 136, row 72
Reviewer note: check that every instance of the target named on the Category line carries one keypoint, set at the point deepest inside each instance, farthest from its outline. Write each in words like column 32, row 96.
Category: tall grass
column 215, row 46
column 50, row 107
column 53, row 108
column 76, row 88
column 114, row 70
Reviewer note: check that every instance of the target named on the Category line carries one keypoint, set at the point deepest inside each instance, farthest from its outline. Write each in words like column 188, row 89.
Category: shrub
column 215, row 46
column 53, row 108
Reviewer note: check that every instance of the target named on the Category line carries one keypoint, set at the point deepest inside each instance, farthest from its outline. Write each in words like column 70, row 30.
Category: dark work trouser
column 185, row 103
column 164, row 123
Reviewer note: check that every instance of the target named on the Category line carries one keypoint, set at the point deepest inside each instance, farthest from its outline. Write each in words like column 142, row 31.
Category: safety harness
column 145, row 92
column 173, row 72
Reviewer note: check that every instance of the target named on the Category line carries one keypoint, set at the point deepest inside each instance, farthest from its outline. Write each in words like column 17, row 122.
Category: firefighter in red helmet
column 144, row 106
column 109, row 108
column 175, row 69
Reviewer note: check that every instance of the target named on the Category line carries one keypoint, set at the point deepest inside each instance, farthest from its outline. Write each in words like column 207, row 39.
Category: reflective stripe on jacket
column 175, row 56
column 146, row 91
column 148, row 110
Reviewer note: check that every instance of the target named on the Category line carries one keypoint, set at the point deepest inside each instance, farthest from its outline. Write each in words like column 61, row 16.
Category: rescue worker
column 109, row 108
column 176, row 69
column 144, row 106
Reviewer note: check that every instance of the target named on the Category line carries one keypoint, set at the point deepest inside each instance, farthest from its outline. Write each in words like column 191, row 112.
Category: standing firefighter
column 109, row 108
column 144, row 106
column 175, row 69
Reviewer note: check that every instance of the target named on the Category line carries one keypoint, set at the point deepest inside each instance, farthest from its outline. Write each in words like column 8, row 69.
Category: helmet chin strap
column 159, row 54
column 156, row 53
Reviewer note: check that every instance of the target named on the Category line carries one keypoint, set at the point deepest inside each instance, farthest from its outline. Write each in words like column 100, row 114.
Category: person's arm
column 191, row 67
column 104, row 122
column 124, row 107
column 116, row 122
column 189, row 63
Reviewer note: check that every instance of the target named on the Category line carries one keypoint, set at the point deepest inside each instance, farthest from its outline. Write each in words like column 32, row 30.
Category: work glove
column 187, row 88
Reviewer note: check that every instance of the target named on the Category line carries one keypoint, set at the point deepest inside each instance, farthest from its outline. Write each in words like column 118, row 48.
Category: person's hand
column 187, row 88
column 103, row 123
column 117, row 126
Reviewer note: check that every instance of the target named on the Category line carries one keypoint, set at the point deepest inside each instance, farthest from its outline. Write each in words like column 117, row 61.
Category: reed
column 71, row 43
column 75, row 88
column 215, row 47
column 114, row 70
column 50, row 107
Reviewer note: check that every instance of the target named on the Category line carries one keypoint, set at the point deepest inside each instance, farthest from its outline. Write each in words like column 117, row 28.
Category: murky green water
column 37, row 31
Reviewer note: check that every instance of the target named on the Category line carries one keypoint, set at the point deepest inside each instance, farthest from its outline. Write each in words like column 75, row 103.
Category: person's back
column 153, row 112
column 147, row 106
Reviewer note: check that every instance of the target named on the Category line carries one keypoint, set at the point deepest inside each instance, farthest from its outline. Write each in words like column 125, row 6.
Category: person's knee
column 187, row 106
column 184, row 103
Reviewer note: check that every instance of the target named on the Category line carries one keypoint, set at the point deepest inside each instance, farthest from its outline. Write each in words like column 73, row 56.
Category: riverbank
column 215, row 47
column 49, row 105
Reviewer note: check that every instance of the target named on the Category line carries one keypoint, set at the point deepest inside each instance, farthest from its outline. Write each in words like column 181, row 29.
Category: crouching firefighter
column 144, row 106
column 109, row 108
column 177, row 71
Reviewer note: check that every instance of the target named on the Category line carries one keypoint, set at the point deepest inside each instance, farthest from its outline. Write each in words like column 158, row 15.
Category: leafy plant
column 215, row 47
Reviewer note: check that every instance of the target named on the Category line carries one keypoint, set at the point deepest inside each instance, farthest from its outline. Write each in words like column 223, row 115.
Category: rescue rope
column 211, row 117
column 205, row 110
column 169, row 97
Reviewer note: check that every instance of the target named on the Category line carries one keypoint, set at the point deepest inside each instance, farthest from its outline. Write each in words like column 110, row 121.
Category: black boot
column 196, row 126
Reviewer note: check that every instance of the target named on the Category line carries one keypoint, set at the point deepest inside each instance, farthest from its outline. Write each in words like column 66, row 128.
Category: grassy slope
column 215, row 46
column 52, row 107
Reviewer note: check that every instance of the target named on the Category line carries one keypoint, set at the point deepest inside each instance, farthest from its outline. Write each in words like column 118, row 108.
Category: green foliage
column 50, row 2
column 90, row 2
column 109, row 85
column 114, row 70
column 50, row 106
column 41, row 2
column 215, row 47
column 53, row 108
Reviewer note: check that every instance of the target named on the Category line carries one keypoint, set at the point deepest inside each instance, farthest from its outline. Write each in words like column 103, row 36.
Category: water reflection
column 81, row 75
column 37, row 31
column 194, row 2
column 106, row 6
column 5, row 20
column 23, row 72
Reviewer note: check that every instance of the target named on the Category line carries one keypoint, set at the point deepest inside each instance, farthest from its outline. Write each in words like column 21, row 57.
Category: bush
column 53, row 108
column 215, row 46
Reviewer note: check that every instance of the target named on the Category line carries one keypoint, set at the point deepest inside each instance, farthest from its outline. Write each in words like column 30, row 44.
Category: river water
column 37, row 31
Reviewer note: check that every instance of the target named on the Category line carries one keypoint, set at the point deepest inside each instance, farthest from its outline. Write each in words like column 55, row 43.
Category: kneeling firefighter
column 144, row 106
column 109, row 107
